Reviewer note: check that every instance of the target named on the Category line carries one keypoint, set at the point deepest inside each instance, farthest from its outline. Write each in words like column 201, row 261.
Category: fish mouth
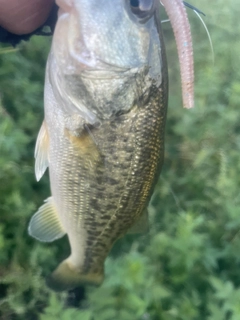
column 106, row 70
column 95, row 67
column 100, row 74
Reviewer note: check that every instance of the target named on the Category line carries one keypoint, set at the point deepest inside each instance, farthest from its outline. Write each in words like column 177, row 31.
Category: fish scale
column 139, row 165
column 102, row 139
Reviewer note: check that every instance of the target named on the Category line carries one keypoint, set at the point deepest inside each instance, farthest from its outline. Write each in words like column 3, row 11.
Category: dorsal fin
column 41, row 152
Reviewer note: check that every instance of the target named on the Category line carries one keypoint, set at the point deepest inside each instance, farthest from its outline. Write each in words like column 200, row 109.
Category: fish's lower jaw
column 67, row 277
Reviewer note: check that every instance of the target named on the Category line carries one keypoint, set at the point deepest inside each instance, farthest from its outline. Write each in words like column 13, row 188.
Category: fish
column 102, row 138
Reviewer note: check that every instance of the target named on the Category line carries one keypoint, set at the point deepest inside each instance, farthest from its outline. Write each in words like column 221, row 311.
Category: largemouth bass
column 102, row 138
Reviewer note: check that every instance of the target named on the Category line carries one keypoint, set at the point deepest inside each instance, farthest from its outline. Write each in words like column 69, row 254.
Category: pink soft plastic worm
column 178, row 17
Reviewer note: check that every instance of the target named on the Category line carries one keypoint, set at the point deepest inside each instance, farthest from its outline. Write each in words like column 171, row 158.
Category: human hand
column 24, row 16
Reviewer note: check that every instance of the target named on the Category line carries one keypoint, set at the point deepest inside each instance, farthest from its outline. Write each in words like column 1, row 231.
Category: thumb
column 24, row 16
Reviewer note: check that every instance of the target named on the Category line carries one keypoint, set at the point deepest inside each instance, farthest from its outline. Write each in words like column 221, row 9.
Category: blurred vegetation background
column 188, row 266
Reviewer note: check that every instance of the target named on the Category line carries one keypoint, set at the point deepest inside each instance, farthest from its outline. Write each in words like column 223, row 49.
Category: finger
column 24, row 16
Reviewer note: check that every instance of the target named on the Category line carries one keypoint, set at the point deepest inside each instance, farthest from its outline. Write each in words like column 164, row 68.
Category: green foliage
column 187, row 267
column 56, row 311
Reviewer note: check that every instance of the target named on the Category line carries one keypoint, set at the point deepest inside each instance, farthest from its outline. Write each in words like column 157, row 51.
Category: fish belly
column 102, row 178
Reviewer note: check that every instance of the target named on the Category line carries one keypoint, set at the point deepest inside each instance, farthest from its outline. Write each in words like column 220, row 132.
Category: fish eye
column 142, row 8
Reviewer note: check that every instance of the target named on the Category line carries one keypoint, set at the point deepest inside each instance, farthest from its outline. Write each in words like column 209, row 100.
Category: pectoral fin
column 41, row 152
column 85, row 144
column 141, row 226
column 45, row 224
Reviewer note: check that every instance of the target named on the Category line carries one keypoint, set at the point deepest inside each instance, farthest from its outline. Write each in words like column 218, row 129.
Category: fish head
column 105, row 40
column 103, row 34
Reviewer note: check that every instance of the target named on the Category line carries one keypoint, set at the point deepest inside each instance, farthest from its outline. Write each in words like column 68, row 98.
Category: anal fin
column 41, row 152
column 141, row 226
column 45, row 224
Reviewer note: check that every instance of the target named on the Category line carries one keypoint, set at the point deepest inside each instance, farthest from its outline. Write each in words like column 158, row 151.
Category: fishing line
column 193, row 8
column 197, row 12
column 208, row 34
